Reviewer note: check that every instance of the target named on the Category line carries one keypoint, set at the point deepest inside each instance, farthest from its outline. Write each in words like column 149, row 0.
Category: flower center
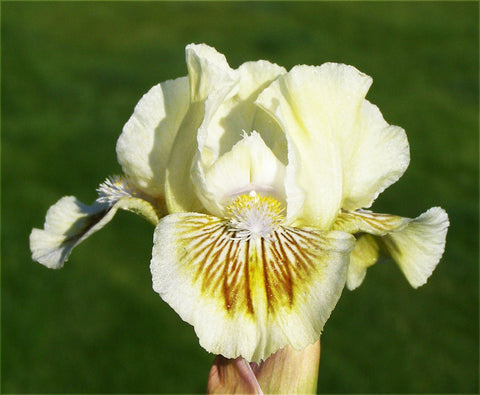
column 254, row 216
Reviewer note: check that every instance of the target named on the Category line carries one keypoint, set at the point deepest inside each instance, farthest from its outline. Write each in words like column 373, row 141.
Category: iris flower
column 257, row 181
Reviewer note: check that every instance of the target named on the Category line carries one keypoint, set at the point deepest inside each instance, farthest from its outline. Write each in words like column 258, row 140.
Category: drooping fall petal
column 69, row 222
column 416, row 245
column 248, row 297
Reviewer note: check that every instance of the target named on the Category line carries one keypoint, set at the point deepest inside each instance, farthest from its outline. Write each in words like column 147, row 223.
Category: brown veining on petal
column 367, row 222
column 249, row 276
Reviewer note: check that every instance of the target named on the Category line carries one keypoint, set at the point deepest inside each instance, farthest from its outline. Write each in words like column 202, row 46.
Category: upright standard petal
column 416, row 245
column 249, row 166
column 210, row 77
column 226, row 119
column 143, row 148
column 375, row 155
column 208, row 69
column 307, row 102
column 248, row 297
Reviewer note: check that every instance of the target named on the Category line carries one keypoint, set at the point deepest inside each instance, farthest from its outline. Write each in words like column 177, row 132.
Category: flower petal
column 364, row 255
column 207, row 70
column 143, row 148
column 225, row 119
column 250, row 165
column 68, row 222
column 416, row 245
column 252, row 297
column 312, row 104
column 375, row 155
column 341, row 150
column 417, row 249
column 210, row 77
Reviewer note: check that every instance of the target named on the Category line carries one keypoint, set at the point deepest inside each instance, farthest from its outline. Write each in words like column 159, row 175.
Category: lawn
column 72, row 73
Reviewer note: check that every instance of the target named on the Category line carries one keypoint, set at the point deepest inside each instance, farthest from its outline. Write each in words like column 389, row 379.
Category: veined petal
column 69, row 222
column 364, row 221
column 416, row 245
column 143, row 148
column 249, row 166
column 248, row 297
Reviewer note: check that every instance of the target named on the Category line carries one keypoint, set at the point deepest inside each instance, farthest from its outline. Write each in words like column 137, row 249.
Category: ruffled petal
column 416, row 245
column 374, row 156
column 220, row 136
column 417, row 248
column 250, row 297
column 208, row 70
column 312, row 104
column 210, row 77
column 341, row 151
column 68, row 222
column 227, row 118
column 143, row 148
column 249, row 166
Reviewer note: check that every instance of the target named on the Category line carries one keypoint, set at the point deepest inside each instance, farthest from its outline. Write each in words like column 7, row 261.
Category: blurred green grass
column 71, row 75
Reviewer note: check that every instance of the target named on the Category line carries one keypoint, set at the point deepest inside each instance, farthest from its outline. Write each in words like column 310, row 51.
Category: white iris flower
column 257, row 180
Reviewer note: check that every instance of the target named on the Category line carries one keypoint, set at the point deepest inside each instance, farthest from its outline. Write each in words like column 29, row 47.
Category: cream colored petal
column 250, row 165
column 179, row 189
column 312, row 104
column 342, row 153
column 416, row 245
column 68, row 222
column 364, row 255
column 226, row 117
column 374, row 156
column 208, row 70
column 210, row 78
column 143, row 148
column 251, row 297
column 364, row 221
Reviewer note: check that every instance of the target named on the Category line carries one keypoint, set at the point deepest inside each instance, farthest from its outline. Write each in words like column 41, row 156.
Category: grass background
column 71, row 75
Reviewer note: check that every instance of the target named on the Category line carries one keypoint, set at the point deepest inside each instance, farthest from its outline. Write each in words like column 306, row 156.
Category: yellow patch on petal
column 248, row 296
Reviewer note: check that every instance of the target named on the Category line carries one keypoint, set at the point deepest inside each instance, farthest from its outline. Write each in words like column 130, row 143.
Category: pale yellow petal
column 143, row 148
column 210, row 78
column 363, row 221
column 69, row 222
column 249, row 166
column 374, row 156
column 248, row 297
column 312, row 104
column 416, row 245
column 207, row 70
column 230, row 115
column 364, row 255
